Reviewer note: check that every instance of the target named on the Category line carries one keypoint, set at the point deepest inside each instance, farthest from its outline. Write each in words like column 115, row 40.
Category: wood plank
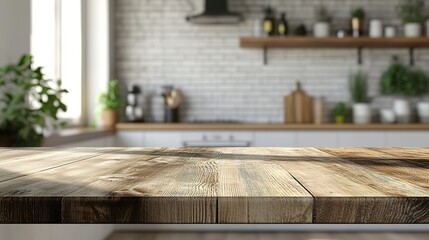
column 333, row 42
column 346, row 192
column 252, row 187
column 215, row 185
column 266, row 236
column 19, row 163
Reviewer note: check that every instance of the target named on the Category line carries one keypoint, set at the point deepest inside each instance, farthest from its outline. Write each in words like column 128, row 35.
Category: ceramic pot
column 427, row 28
column 402, row 110
column 109, row 118
column 387, row 116
column 322, row 29
column 390, row 32
column 423, row 112
column 340, row 119
column 361, row 113
column 375, row 28
column 412, row 30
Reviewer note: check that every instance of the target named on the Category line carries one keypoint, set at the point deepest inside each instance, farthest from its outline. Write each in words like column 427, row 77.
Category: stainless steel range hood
column 216, row 12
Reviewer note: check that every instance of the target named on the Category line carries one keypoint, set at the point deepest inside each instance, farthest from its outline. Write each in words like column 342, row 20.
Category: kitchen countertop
column 216, row 185
column 268, row 127
column 73, row 135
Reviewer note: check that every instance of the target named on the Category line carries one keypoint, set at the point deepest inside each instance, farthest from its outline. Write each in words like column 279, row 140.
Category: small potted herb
column 340, row 113
column 402, row 82
column 111, row 101
column 412, row 15
column 322, row 27
column 359, row 95
column 358, row 22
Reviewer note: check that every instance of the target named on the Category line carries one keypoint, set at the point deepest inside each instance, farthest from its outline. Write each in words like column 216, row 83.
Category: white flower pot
column 423, row 112
column 402, row 110
column 412, row 30
column 387, row 116
column 361, row 113
column 322, row 29
column 375, row 28
column 427, row 28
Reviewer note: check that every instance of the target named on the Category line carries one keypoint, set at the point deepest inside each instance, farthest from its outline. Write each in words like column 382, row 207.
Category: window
column 56, row 45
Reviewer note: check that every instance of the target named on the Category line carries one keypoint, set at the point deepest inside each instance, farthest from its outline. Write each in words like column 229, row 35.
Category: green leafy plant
column 358, row 13
column 30, row 104
column 111, row 100
column 359, row 88
column 402, row 80
column 412, row 11
column 341, row 110
column 322, row 15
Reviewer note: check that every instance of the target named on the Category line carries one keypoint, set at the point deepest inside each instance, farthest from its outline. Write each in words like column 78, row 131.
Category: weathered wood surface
column 266, row 236
column 214, row 185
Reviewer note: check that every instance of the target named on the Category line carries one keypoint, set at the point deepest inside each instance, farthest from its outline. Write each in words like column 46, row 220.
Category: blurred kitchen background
column 246, row 73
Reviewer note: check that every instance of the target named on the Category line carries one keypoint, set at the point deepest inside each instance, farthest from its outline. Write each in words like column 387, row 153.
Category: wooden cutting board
column 298, row 107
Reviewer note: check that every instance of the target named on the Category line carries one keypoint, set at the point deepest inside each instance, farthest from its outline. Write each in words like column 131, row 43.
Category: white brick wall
column 156, row 46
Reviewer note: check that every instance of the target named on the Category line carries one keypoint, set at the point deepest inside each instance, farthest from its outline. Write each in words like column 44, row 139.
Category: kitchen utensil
column 172, row 99
column 133, row 112
column 319, row 110
column 298, row 107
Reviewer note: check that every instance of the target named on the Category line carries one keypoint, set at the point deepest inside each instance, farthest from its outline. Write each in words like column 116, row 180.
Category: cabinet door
column 407, row 139
column 275, row 139
column 317, row 139
column 163, row 139
column 362, row 139
column 129, row 139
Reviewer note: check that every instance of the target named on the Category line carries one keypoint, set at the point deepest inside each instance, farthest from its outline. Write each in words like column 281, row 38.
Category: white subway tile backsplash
column 154, row 46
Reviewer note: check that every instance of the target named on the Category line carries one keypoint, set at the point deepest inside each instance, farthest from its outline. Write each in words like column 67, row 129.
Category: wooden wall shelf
column 334, row 42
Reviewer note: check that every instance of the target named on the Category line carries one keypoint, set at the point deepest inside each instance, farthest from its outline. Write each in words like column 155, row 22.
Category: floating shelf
column 334, row 42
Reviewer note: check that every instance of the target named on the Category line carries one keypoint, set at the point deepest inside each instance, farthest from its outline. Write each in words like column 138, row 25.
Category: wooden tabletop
column 216, row 185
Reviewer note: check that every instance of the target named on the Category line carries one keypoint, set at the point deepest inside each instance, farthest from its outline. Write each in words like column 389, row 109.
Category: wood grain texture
column 266, row 236
column 268, row 127
column 214, row 185
column 332, row 42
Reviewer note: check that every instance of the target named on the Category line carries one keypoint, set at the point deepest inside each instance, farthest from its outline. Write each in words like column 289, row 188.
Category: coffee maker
column 133, row 110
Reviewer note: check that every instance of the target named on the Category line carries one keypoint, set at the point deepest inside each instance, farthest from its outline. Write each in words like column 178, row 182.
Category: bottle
column 282, row 26
column 269, row 22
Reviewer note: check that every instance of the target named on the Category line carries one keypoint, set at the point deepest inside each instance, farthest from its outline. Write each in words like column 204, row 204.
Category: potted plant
column 322, row 27
column 358, row 22
column 111, row 101
column 359, row 95
column 340, row 112
column 30, row 104
column 412, row 15
column 403, row 82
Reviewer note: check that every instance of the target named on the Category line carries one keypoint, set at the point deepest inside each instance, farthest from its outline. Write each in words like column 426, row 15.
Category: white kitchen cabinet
column 316, row 139
column 361, row 139
column 162, row 139
column 270, row 138
column 130, row 139
column 407, row 139
column 97, row 142
column 275, row 139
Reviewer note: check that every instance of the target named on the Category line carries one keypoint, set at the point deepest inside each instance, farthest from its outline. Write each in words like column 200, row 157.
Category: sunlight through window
column 57, row 46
